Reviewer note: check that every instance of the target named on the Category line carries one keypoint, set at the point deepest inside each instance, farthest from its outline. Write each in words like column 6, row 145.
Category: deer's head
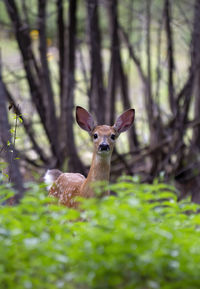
column 104, row 136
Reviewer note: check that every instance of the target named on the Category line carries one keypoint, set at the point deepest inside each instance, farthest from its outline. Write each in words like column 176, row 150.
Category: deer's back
column 66, row 187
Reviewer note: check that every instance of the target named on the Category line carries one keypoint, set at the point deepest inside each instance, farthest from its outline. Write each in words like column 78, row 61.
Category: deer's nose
column 104, row 147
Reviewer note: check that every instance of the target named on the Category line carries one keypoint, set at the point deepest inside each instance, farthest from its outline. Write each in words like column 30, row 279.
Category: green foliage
column 141, row 238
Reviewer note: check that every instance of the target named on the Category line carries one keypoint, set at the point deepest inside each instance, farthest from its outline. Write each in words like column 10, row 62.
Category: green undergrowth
column 141, row 238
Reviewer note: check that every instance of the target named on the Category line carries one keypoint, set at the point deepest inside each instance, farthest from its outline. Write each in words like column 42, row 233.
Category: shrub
column 141, row 238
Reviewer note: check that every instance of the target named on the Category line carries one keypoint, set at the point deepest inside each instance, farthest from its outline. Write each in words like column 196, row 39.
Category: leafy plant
column 141, row 238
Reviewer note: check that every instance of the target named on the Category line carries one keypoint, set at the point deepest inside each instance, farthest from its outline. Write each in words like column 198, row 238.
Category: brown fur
column 66, row 188
column 69, row 185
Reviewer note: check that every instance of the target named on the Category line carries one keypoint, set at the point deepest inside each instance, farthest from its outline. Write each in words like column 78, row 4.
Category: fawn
column 66, row 186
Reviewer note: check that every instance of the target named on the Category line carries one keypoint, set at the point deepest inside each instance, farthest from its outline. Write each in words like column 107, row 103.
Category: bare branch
column 27, row 126
column 171, row 65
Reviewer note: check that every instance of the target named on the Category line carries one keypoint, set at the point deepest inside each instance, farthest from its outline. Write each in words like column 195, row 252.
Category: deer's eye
column 95, row 136
column 113, row 136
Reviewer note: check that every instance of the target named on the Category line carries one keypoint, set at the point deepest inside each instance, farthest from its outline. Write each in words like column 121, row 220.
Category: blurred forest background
column 107, row 56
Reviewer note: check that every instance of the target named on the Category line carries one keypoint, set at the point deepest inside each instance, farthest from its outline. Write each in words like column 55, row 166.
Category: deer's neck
column 99, row 171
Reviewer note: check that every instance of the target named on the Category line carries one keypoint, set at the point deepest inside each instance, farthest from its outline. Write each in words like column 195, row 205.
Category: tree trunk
column 8, row 147
column 45, row 80
column 196, row 59
column 61, row 43
column 97, row 91
column 167, row 11
column 114, row 68
column 67, row 100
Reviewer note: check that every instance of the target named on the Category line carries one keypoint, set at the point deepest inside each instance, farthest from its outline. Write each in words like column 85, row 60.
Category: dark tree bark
column 117, row 77
column 113, row 70
column 45, row 80
column 171, row 66
column 158, row 66
column 97, row 91
column 27, row 126
column 196, row 59
column 61, row 42
column 148, row 98
column 152, row 110
column 178, row 126
column 184, row 97
column 67, row 100
column 8, row 147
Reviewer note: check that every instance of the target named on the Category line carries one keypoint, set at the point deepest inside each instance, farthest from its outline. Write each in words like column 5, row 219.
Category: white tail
column 51, row 176
column 66, row 186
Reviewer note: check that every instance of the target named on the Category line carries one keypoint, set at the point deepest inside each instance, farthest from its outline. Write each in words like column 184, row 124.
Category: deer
column 67, row 186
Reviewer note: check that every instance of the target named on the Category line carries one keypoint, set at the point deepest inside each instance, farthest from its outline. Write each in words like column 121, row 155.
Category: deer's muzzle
column 104, row 147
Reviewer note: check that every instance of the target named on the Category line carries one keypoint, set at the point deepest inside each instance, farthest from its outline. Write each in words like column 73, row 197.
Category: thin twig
column 14, row 141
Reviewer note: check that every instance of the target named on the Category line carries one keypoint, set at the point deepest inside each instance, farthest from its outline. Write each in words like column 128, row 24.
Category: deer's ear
column 124, row 121
column 84, row 119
